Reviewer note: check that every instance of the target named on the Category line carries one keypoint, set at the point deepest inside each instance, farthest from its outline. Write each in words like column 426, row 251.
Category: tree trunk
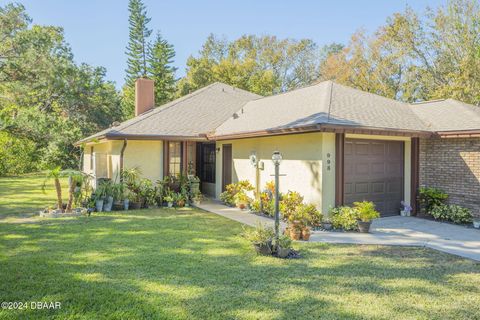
column 71, row 189
column 58, row 187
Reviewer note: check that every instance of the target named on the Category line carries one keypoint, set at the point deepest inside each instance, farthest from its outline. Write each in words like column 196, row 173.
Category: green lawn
column 24, row 194
column 189, row 264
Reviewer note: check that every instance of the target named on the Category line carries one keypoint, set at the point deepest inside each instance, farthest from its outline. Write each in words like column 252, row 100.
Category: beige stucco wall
column 308, row 162
column 302, row 163
column 407, row 158
column 146, row 155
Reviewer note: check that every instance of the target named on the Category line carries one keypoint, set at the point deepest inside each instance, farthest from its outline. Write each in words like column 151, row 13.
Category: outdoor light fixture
column 276, row 158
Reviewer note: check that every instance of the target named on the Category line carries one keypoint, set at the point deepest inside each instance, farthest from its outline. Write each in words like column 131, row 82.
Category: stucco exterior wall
column 146, row 155
column 302, row 163
column 453, row 165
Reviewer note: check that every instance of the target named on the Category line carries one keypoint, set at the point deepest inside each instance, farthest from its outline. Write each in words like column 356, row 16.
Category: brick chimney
column 144, row 95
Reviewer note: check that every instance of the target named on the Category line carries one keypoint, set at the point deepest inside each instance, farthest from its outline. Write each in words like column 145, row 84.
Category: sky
column 97, row 30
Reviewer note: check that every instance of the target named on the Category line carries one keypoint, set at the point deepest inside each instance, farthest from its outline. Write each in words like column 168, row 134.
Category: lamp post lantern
column 277, row 158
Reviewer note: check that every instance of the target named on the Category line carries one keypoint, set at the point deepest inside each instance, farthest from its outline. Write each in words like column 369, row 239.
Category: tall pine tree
column 137, row 53
column 160, row 59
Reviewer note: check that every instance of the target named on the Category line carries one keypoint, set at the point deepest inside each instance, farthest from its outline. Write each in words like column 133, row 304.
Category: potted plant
column 197, row 199
column 241, row 200
column 365, row 214
column 194, row 183
column 295, row 231
column 180, row 200
column 169, row 199
column 406, row 210
column 284, row 246
column 117, row 191
column 306, row 233
column 261, row 238
column 99, row 196
column 327, row 224
column 476, row 224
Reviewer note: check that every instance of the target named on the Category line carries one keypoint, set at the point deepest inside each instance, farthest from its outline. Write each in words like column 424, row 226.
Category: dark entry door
column 226, row 165
column 374, row 172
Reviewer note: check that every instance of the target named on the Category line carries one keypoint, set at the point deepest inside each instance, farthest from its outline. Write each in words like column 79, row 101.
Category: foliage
column 366, row 211
column 305, row 215
column 414, row 57
column 146, row 59
column 259, row 235
column 290, row 201
column 228, row 196
column 285, row 242
column 241, row 198
column 47, row 101
column 454, row 213
column 431, row 197
column 160, row 59
column 261, row 64
column 17, row 155
column 344, row 218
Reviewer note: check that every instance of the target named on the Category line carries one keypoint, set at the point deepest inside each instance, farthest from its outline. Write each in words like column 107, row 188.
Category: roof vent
column 115, row 124
column 235, row 115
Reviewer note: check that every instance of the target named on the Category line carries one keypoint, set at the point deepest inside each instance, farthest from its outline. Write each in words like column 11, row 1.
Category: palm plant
column 55, row 174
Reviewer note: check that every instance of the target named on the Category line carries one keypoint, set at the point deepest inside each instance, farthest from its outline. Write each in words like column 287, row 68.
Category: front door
column 226, row 165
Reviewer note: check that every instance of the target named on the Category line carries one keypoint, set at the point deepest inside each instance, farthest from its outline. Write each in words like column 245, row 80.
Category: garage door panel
column 374, row 172
column 378, row 168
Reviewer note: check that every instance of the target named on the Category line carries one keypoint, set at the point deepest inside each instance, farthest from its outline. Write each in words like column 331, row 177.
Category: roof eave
column 459, row 133
column 336, row 128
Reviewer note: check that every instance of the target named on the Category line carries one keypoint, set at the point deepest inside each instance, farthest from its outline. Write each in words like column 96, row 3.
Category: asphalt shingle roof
column 323, row 103
column 221, row 110
column 193, row 115
column 448, row 115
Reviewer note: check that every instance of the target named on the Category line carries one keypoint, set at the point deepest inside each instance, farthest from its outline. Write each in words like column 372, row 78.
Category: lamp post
column 277, row 158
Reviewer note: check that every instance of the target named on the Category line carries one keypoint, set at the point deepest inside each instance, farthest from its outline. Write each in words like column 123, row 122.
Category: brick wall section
column 453, row 165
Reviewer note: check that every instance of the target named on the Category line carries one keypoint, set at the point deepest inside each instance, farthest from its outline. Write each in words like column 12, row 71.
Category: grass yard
column 189, row 264
column 23, row 194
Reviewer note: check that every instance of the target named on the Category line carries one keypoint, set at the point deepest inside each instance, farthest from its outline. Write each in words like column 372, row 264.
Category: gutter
column 335, row 128
column 459, row 134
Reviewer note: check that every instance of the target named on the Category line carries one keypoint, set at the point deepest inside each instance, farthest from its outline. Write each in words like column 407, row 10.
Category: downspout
column 121, row 159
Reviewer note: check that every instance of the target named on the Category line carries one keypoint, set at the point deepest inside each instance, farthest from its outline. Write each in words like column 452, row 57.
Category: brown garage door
column 374, row 172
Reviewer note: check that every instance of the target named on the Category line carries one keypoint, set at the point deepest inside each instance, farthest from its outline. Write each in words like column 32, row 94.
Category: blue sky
column 97, row 30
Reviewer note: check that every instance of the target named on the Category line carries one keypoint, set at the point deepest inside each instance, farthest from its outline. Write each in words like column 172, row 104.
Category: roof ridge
column 329, row 97
column 428, row 101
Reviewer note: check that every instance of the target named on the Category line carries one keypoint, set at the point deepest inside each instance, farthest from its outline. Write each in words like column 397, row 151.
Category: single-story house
column 339, row 144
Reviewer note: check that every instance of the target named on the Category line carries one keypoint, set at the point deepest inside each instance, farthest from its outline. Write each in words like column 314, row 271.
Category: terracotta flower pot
column 241, row 206
column 295, row 234
column 306, row 234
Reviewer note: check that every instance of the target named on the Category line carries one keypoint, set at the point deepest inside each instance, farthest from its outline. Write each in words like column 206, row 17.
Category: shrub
column 284, row 242
column 431, row 197
column 305, row 215
column 344, row 218
column 366, row 211
column 289, row 204
column 228, row 196
column 452, row 213
column 260, row 235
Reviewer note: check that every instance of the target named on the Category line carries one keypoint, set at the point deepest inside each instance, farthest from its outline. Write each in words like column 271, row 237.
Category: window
column 207, row 163
column 175, row 158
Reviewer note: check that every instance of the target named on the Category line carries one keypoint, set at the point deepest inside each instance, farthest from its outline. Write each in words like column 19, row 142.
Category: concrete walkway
column 236, row 214
column 401, row 231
